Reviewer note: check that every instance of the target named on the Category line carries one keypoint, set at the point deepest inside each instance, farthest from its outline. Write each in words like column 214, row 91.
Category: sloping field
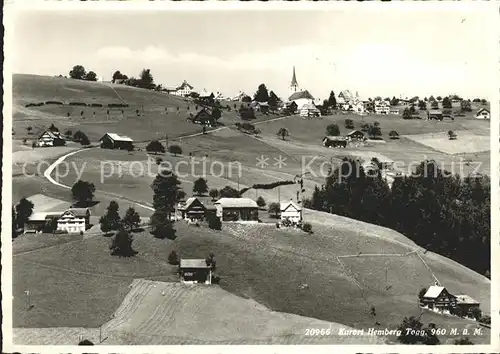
column 467, row 142
column 173, row 311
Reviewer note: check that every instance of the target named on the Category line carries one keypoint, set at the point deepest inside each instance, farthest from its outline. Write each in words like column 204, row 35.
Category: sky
column 391, row 53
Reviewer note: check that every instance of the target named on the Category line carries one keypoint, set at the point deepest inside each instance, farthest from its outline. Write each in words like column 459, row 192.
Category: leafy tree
column 216, row 114
column 465, row 106
column 451, row 134
column 111, row 221
column 332, row 101
column 349, row 124
column 272, row 101
column 421, row 293
column 274, row 208
column 91, row 76
column 53, row 128
column 261, row 202
column 412, row 109
column 131, row 219
column 146, row 79
column 393, row 134
column 463, row 341
column 333, row 130
column 122, row 244
column 166, row 192
column 394, row 101
column 161, row 225
column 173, row 258
column 229, row 192
column 214, row 222
column 155, row 147
column 410, row 323
column 307, row 227
column 484, row 102
column 210, row 261
column 29, row 129
column 68, row 134
column 82, row 192
column 475, row 313
column 434, row 105
column 365, row 127
column 200, row 186
column 213, row 193
column 374, row 131
column 84, row 140
column 78, row 136
column 117, row 75
column 446, row 102
column 175, row 150
column 78, row 72
column 23, row 211
column 246, row 99
column 261, row 95
column 283, row 132
column 422, row 105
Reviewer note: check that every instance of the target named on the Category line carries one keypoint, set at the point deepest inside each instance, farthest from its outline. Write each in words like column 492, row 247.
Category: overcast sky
column 390, row 53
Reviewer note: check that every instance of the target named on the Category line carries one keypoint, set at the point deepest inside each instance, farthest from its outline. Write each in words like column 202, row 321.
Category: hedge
column 77, row 104
column 96, row 105
column 54, row 102
column 35, row 104
column 117, row 105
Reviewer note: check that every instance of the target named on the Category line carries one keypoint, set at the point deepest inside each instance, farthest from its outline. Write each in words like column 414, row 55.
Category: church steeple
column 294, row 85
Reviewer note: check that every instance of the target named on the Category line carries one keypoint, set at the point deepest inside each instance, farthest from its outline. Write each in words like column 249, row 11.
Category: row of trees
column 79, row 73
column 156, row 147
column 439, row 211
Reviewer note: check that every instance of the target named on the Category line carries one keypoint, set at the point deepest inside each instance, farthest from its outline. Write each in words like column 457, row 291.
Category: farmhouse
column 50, row 138
column 483, row 113
column 359, row 107
column 37, row 221
column 115, row 141
column 355, row 135
column 195, row 271
column 195, row 209
column 435, row 114
column 262, row 107
column 439, row 299
column 466, row 303
column 184, row 89
column 382, row 107
column 237, row 209
column 309, row 110
column 205, row 94
column 204, row 116
column 301, row 98
column 394, row 111
column 291, row 211
column 334, row 141
column 74, row 220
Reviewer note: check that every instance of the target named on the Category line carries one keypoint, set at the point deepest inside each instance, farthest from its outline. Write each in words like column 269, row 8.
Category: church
column 302, row 98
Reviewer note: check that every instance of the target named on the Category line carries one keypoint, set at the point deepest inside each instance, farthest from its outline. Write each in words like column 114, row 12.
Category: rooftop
column 301, row 94
column 194, row 263
column 434, row 291
column 117, row 137
column 237, row 203
column 284, row 206
column 465, row 299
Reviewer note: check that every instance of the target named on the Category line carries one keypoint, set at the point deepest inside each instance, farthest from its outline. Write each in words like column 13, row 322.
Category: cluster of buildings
column 437, row 298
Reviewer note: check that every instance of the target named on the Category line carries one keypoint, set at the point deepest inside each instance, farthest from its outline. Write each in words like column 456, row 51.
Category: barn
column 334, row 141
column 483, row 113
column 195, row 271
column 115, row 141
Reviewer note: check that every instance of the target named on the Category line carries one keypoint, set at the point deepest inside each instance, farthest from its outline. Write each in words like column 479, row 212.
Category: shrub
column 307, row 227
column 393, row 134
column 173, row 258
column 96, row 105
column 333, row 130
column 175, row 150
column 261, row 202
column 485, row 320
column 117, row 105
column 54, row 102
column 214, row 222
column 77, row 104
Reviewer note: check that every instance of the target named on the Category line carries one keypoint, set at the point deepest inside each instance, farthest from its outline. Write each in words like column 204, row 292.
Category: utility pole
column 166, row 140
column 28, row 301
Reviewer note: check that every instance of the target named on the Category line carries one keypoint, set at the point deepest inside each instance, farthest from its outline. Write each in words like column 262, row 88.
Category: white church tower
column 294, row 85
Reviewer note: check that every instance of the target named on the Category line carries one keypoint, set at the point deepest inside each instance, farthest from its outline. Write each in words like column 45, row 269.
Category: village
column 171, row 197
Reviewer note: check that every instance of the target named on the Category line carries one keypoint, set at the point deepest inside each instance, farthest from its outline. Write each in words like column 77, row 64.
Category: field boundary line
column 429, row 268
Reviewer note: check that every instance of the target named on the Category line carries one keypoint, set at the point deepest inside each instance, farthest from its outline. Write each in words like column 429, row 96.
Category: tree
column 229, row 192
column 451, row 135
column 374, row 131
column 213, row 193
column 272, row 101
column 146, row 79
column 210, row 261
column 274, row 208
column 307, row 227
column 484, row 102
column 82, row 192
column 393, row 134
column 175, row 150
column 365, row 127
column 421, row 293
column 394, row 101
column 475, row 312
column 29, row 129
column 422, row 105
column 333, row 130
column 23, row 211
column 173, row 258
column 214, row 222
column 200, row 186
column 166, row 194
column 439, row 98
column 465, row 106
column 68, row 134
column 161, row 225
column 216, row 114
column 261, row 95
column 91, row 76
column 78, row 72
column 131, row 219
column 119, row 76
column 412, row 109
column 431, row 98
column 155, row 147
column 332, row 101
column 283, row 132
column 261, row 202
column 463, row 341
column 122, row 244
column 111, row 221
column 446, row 102
column 84, row 140
column 411, row 331
column 78, row 136
column 407, row 113
column 430, row 337
column 349, row 124
column 53, row 128
column 434, row 105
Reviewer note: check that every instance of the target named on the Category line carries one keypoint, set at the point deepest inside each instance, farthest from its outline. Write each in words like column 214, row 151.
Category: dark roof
column 301, row 94
column 80, row 212
column 358, row 132
column 52, row 134
column 184, row 84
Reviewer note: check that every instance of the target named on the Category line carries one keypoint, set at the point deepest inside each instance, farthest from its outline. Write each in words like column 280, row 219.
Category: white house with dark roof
column 237, row 209
column 74, row 220
column 50, row 138
column 291, row 211
column 115, row 141
column 438, row 299
column 184, row 89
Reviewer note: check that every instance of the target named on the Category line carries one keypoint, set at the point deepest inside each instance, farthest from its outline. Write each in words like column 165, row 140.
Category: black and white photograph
column 286, row 176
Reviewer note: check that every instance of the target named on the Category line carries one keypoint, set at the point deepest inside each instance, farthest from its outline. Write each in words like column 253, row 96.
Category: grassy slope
column 245, row 256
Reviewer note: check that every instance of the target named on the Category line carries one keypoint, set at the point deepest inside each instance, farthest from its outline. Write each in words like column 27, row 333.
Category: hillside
column 341, row 285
